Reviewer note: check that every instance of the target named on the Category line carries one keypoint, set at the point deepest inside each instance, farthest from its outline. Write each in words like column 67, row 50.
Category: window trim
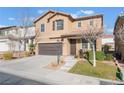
column 78, row 24
column 42, row 30
column 91, row 21
column 56, row 25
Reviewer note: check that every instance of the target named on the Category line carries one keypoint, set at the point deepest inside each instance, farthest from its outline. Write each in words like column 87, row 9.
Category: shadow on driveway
column 8, row 79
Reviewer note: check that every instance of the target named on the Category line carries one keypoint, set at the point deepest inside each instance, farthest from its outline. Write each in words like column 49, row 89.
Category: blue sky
column 11, row 15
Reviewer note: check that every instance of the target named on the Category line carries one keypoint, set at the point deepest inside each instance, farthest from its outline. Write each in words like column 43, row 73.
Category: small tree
column 91, row 35
column 26, row 22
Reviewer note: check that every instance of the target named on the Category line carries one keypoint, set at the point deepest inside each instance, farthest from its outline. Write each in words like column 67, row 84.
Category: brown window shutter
column 53, row 25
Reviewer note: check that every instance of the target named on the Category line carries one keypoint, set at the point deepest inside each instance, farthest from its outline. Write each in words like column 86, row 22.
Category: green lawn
column 102, row 70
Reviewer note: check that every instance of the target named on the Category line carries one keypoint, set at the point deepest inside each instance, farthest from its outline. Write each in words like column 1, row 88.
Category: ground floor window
column 85, row 44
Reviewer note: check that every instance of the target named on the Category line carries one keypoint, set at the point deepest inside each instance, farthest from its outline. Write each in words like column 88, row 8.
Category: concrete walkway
column 33, row 68
column 70, row 61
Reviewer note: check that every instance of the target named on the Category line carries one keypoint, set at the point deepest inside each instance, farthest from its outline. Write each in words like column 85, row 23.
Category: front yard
column 102, row 70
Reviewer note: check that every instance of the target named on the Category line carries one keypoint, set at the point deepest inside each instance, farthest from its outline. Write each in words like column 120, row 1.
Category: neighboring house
column 119, row 44
column 10, row 37
column 59, row 33
column 108, row 40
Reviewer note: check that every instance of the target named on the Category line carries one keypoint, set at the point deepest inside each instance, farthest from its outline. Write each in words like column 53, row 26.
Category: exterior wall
column 78, row 46
column 85, row 24
column 108, row 41
column 66, row 47
column 99, row 44
column 49, row 33
column 3, row 45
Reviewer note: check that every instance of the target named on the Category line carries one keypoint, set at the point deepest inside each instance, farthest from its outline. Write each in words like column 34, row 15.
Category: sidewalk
column 59, row 77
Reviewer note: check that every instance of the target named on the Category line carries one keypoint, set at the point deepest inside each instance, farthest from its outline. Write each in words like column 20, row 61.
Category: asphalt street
column 7, row 79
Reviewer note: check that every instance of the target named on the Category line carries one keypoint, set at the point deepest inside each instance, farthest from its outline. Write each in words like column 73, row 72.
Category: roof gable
column 69, row 16
column 43, row 16
column 63, row 14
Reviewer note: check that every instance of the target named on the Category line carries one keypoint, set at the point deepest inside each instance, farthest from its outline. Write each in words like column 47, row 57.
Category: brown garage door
column 50, row 48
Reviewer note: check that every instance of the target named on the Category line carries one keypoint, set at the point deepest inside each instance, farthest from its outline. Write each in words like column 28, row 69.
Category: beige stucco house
column 60, row 33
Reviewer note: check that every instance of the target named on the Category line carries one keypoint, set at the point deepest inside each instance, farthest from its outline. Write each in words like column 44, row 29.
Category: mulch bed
column 54, row 65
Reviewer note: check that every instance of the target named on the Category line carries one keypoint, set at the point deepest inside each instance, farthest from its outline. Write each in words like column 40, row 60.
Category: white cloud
column 109, row 30
column 79, row 13
column 40, row 11
column 32, row 18
column 11, row 18
column 2, row 25
column 74, row 15
column 87, row 12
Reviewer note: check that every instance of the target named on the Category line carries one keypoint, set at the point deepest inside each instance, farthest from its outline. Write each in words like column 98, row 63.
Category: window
column 42, row 27
column 91, row 22
column 79, row 24
column 59, row 25
column 84, row 44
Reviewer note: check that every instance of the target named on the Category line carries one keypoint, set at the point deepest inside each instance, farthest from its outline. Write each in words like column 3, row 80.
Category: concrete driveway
column 28, row 63
column 28, row 68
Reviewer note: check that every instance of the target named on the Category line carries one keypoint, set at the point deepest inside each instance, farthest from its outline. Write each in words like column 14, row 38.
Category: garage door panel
column 50, row 48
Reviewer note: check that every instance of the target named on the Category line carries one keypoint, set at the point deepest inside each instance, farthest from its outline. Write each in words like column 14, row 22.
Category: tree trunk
column 94, row 56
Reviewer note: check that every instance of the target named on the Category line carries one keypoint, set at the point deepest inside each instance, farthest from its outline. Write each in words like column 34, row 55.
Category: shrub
column 7, row 55
column 109, row 57
column 26, row 54
column 89, row 55
column 99, row 55
column 75, row 56
column 106, row 48
column 32, row 48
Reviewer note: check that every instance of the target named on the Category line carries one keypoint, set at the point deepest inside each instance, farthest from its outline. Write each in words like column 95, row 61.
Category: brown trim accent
column 8, row 27
column 58, row 13
column 43, row 16
column 53, row 25
column 55, row 37
column 89, row 17
column 69, row 16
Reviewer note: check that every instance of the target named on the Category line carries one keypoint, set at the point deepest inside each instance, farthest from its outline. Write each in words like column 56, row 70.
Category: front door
column 73, row 46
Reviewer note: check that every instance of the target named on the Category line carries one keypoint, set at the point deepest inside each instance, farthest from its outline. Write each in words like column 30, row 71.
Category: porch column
column 36, row 49
column 88, row 46
column 66, row 47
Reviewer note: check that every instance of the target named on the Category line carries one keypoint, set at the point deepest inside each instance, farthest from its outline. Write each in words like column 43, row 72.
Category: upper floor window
column 91, row 23
column 79, row 24
column 58, row 25
column 42, row 27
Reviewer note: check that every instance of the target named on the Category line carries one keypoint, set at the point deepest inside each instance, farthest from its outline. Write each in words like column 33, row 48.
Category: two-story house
column 60, row 33
column 10, row 38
